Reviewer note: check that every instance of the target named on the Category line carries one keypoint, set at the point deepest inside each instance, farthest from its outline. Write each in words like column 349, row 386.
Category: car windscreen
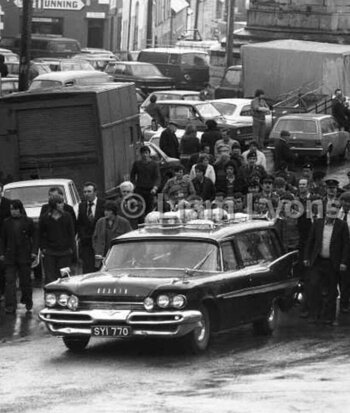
column 207, row 110
column 64, row 46
column 296, row 126
column 145, row 70
column 164, row 253
column 226, row 109
column 44, row 84
column 31, row 196
column 195, row 59
column 232, row 78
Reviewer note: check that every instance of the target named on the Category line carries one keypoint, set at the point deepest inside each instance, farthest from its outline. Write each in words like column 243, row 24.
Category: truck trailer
column 82, row 133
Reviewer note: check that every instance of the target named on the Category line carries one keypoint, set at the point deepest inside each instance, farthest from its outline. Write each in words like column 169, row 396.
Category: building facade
column 317, row 20
column 91, row 22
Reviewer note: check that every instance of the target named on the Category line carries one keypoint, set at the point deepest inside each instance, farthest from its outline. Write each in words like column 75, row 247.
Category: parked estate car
column 313, row 135
column 145, row 75
column 183, row 112
column 172, row 95
column 69, row 78
column 177, row 280
column 60, row 65
column 238, row 110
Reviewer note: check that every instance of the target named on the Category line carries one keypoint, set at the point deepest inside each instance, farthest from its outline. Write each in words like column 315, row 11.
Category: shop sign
column 54, row 4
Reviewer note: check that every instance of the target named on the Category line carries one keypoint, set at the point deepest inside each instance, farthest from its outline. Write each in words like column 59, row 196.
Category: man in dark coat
column 90, row 211
column 18, row 247
column 282, row 152
column 168, row 141
column 4, row 213
column 203, row 186
column 327, row 254
column 340, row 111
column 211, row 135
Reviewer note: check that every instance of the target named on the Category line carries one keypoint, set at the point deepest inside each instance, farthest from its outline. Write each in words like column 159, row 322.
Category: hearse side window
column 255, row 247
column 228, row 256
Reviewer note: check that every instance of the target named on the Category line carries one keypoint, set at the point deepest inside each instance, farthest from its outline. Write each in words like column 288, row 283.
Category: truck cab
column 231, row 85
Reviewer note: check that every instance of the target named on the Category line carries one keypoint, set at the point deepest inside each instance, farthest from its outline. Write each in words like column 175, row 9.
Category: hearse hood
column 122, row 283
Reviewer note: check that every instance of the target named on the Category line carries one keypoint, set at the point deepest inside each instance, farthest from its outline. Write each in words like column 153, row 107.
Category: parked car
column 63, row 65
column 172, row 95
column 312, row 135
column 165, row 162
column 98, row 62
column 145, row 75
column 91, row 51
column 177, row 280
column 189, row 68
column 47, row 45
column 8, row 85
column 9, row 55
column 35, row 69
column 69, row 78
column 34, row 194
column 183, row 112
column 238, row 110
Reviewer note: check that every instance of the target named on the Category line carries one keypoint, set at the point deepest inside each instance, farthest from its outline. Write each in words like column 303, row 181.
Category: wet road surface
column 301, row 368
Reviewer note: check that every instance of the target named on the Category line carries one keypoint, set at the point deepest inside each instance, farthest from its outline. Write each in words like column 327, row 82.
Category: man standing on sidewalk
column 344, row 280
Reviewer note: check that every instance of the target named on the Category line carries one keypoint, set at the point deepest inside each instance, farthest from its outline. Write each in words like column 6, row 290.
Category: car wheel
column 266, row 326
column 76, row 344
column 198, row 340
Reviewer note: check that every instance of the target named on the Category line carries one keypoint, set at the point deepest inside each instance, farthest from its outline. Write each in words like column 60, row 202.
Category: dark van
column 188, row 67
column 50, row 46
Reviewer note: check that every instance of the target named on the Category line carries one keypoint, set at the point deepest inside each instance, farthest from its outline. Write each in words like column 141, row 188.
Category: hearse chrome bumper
column 142, row 323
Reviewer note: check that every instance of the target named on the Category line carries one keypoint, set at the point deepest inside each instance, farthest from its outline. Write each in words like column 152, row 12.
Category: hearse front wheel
column 76, row 344
column 198, row 340
column 267, row 325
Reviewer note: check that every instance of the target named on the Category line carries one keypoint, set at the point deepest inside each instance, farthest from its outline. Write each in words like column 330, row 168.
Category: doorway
column 95, row 33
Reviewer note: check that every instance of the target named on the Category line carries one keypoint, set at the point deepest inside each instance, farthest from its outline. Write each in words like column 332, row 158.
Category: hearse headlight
column 148, row 303
column 73, row 302
column 63, row 300
column 178, row 301
column 163, row 301
column 50, row 299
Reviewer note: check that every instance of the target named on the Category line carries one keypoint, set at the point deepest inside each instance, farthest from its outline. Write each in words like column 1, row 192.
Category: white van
column 69, row 78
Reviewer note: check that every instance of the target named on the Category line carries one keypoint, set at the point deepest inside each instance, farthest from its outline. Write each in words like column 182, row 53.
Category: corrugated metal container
column 82, row 133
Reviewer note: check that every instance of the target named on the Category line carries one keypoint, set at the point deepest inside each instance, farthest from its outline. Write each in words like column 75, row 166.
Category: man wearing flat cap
column 332, row 191
column 344, row 279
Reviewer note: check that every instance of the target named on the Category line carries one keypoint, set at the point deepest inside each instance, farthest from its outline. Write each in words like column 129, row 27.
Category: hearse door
column 256, row 257
column 233, row 289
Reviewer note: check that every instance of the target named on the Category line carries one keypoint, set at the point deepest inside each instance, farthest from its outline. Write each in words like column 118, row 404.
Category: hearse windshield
column 164, row 253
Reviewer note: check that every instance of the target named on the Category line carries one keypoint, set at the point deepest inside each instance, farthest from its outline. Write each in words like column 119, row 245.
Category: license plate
column 111, row 331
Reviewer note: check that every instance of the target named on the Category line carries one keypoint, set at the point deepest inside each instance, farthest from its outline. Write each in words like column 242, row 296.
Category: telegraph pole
column 27, row 12
column 230, row 29
column 196, row 16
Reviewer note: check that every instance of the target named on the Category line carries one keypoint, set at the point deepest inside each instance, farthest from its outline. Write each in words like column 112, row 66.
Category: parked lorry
column 283, row 68
column 82, row 133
